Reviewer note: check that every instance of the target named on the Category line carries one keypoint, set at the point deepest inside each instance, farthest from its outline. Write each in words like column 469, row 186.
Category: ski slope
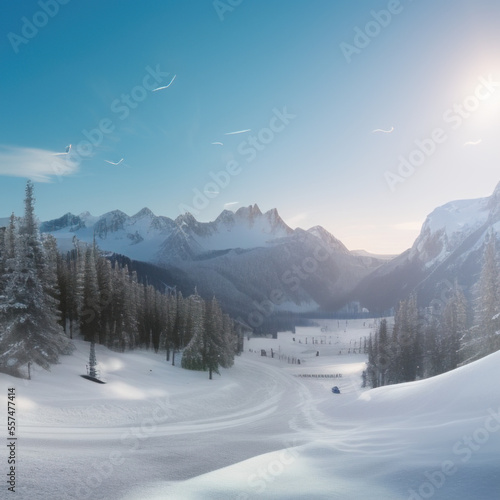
column 260, row 430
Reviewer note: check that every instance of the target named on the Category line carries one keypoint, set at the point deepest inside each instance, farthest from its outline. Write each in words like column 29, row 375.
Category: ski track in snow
column 157, row 432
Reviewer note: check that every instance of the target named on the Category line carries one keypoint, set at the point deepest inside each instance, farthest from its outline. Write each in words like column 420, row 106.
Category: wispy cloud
column 473, row 143
column 238, row 132
column 390, row 131
column 38, row 165
column 165, row 86
column 231, row 203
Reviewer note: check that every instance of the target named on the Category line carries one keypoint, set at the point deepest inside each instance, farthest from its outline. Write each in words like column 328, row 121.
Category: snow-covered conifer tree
column 484, row 337
column 29, row 330
column 193, row 357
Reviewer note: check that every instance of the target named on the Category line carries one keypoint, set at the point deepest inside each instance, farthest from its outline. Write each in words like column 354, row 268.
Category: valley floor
column 265, row 428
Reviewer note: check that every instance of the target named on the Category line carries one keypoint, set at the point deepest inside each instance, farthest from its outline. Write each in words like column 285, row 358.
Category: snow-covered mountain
column 252, row 261
column 150, row 238
column 449, row 247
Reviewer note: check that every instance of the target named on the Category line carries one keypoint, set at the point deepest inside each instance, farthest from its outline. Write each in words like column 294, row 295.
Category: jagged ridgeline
column 261, row 270
column 48, row 297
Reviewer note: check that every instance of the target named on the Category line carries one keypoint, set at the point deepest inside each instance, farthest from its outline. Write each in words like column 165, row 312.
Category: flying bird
column 113, row 163
column 218, row 143
column 384, row 131
column 66, row 151
column 473, row 143
column 238, row 132
column 166, row 86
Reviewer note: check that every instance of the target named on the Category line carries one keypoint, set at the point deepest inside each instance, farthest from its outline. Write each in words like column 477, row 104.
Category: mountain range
column 252, row 261
column 260, row 268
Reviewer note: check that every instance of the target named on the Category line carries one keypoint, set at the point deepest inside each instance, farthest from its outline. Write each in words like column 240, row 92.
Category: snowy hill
column 450, row 246
column 259, row 431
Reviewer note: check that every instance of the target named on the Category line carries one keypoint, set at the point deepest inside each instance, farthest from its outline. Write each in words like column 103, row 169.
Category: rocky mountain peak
column 249, row 212
column 144, row 212
column 494, row 204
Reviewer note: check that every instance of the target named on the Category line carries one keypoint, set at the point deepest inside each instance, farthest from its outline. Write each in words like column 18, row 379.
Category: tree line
column 447, row 334
column 47, row 298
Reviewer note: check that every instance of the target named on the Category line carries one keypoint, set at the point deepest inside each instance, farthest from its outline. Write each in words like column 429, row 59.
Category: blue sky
column 310, row 79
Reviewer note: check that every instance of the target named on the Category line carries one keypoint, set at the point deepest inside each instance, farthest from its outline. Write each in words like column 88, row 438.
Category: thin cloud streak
column 39, row 165
column 390, row 131
column 238, row 132
column 166, row 86
column 113, row 163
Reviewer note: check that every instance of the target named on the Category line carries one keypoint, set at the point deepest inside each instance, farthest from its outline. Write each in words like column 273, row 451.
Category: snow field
column 154, row 431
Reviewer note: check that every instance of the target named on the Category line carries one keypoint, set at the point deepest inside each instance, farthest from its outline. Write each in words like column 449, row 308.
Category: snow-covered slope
column 448, row 227
column 436, row 438
column 155, row 431
column 449, row 248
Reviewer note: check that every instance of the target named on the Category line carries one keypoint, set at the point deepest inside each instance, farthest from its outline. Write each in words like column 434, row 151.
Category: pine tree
column 484, row 338
column 29, row 330
column 173, row 326
column 130, row 314
column 230, row 342
column 371, row 372
column 434, row 347
column 193, row 357
column 213, row 337
column 89, row 308
column 454, row 325
column 383, row 352
column 409, row 341
column 106, row 298
column 92, row 360
column 158, row 320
